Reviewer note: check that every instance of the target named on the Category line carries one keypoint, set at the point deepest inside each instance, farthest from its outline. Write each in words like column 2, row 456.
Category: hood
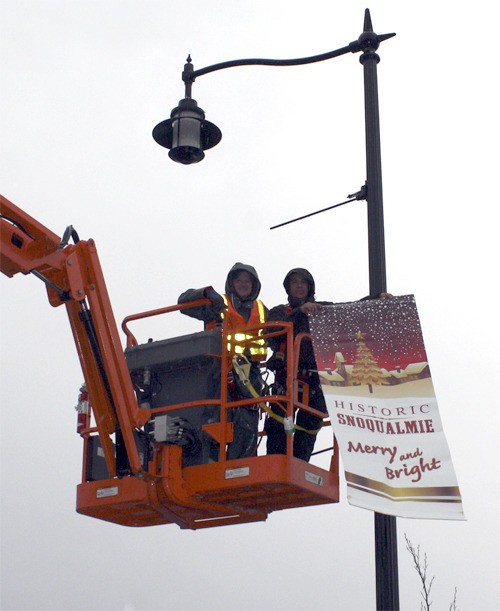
column 234, row 271
column 310, row 280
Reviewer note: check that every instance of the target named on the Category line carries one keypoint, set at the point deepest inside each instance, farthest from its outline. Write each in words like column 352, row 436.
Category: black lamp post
column 188, row 135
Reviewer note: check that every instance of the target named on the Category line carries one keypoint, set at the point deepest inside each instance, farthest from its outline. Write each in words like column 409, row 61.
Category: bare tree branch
column 421, row 567
column 453, row 606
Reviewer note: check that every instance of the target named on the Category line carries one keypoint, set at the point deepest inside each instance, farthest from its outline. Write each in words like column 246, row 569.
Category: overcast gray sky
column 82, row 85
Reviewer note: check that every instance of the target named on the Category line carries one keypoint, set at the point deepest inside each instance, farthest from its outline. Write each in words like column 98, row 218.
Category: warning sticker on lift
column 240, row 472
column 104, row 492
column 313, row 478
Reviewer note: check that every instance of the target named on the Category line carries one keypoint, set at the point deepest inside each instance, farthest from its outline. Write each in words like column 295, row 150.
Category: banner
column 378, row 388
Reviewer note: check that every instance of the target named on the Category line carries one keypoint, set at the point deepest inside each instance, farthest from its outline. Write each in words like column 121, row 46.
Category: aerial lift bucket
column 185, row 380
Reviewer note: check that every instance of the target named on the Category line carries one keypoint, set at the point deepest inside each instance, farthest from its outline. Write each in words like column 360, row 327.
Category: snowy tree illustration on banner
column 372, row 347
column 365, row 369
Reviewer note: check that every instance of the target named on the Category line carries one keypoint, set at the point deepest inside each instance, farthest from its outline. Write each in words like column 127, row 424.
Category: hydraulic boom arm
column 73, row 277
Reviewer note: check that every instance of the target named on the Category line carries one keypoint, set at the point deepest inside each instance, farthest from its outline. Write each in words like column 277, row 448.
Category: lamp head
column 186, row 133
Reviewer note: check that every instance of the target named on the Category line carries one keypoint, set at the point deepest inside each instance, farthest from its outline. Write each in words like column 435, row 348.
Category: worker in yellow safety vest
column 242, row 342
column 240, row 310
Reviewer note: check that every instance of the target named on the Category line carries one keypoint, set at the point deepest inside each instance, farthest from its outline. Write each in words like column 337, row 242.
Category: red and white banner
column 378, row 388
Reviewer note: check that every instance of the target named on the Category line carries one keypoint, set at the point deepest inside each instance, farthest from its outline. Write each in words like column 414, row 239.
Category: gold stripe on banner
column 422, row 495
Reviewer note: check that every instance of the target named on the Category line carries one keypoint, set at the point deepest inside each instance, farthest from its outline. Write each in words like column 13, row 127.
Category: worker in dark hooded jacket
column 240, row 309
column 300, row 288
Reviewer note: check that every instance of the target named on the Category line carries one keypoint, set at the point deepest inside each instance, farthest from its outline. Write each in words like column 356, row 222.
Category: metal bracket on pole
column 361, row 194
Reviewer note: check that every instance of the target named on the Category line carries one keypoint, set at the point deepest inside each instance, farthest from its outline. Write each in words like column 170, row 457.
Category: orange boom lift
column 148, row 448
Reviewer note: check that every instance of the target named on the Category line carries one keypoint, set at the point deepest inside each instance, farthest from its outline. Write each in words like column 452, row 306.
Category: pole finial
column 367, row 26
column 187, row 76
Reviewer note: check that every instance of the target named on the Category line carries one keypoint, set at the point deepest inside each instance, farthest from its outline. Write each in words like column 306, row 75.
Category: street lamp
column 188, row 135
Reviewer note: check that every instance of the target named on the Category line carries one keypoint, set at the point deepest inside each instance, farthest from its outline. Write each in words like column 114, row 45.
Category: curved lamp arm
column 368, row 41
column 187, row 134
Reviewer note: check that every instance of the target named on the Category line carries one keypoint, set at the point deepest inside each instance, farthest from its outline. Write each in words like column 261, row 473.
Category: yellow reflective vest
column 241, row 342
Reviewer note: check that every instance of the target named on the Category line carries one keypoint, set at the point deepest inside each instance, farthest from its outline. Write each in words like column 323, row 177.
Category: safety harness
column 242, row 368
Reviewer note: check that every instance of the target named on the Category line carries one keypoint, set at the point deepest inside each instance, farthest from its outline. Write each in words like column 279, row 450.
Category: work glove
column 217, row 302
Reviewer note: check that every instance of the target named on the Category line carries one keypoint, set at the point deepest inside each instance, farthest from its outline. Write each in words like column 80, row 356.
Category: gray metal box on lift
column 178, row 370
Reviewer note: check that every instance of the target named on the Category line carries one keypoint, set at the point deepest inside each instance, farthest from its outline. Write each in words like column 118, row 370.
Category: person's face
column 243, row 285
column 299, row 287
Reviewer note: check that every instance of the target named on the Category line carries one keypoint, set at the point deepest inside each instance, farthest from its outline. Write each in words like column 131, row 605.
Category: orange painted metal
column 26, row 243
column 215, row 494
column 131, row 340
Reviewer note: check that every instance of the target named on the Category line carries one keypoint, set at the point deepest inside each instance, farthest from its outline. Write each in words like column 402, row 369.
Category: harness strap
column 242, row 368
